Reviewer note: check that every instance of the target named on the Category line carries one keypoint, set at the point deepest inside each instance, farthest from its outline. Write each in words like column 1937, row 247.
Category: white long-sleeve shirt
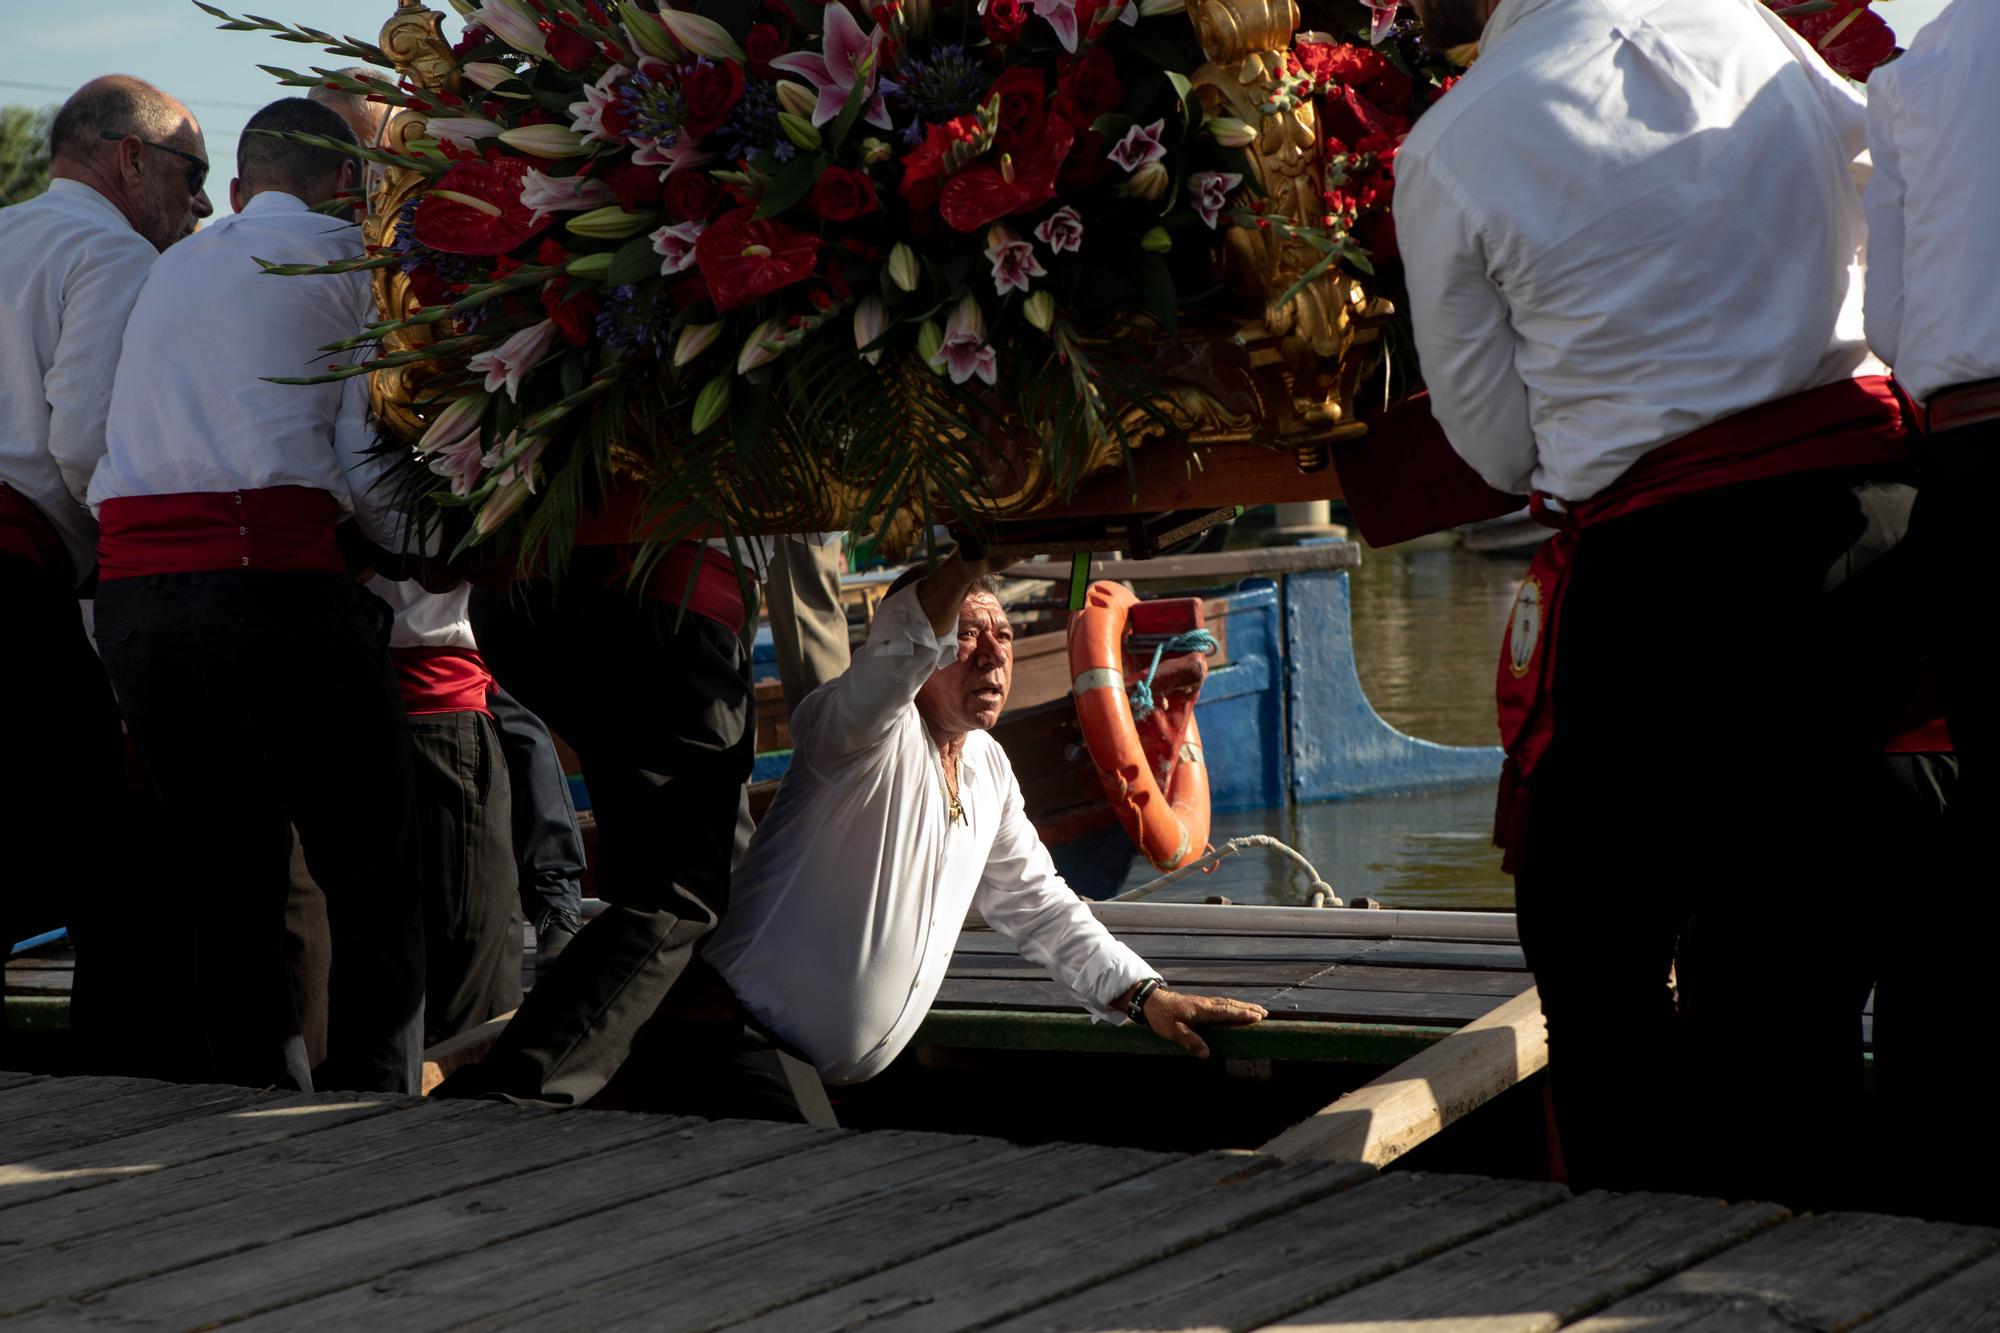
column 1933, row 242
column 1629, row 219
column 191, row 410
column 70, row 269
column 846, row 907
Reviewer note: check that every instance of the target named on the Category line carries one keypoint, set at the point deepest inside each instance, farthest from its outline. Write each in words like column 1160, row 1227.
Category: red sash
column 1849, row 424
column 25, row 531
column 441, row 680
column 286, row 528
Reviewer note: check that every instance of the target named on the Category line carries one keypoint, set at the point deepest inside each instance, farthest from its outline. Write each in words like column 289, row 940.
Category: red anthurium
column 1853, row 38
column 475, row 209
column 742, row 257
column 991, row 189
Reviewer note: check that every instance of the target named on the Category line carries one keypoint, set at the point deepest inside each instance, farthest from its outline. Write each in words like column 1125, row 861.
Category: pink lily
column 674, row 244
column 587, row 116
column 671, row 158
column 1013, row 261
column 461, row 461
column 1061, row 230
column 547, row 194
column 1210, row 191
column 1061, row 15
column 846, row 57
column 965, row 352
column 1140, row 145
column 508, row 363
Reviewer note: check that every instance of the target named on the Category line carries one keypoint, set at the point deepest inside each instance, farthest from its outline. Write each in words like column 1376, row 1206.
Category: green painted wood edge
column 1273, row 1039
column 38, row 1012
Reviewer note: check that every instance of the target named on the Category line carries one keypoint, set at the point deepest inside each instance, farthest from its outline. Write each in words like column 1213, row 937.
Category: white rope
column 1318, row 894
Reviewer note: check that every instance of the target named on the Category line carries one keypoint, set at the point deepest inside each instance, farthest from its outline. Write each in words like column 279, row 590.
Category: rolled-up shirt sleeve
column 1021, row 896
column 855, row 710
column 1465, row 336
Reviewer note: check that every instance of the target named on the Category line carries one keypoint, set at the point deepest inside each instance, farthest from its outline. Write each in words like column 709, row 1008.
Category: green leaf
column 635, row 260
column 734, row 17
column 792, row 183
column 1156, row 285
column 1155, row 46
column 851, row 111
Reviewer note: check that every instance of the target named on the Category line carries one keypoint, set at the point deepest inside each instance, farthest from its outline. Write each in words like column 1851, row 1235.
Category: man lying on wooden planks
column 899, row 814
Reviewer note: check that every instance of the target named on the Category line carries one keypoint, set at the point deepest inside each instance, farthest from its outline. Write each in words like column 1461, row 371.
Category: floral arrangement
column 1848, row 34
column 730, row 249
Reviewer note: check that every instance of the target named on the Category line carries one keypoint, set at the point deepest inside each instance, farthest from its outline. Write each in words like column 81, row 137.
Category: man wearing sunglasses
column 127, row 168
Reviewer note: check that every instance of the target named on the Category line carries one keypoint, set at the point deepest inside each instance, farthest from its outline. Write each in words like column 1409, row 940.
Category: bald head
column 362, row 116
column 139, row 148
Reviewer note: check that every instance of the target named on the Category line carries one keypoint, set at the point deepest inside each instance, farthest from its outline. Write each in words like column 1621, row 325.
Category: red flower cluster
column 446, row 222
column 709, row 92
column 742, row 257
column 1850, row 37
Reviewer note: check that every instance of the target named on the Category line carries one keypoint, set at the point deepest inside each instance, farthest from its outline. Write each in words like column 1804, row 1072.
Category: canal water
column 1427, row 626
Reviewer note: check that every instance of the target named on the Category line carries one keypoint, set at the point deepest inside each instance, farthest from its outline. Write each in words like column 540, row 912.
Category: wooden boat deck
column 140, row 1205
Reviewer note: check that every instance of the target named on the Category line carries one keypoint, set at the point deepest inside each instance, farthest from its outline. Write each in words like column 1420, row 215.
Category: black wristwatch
column 1136, row 1011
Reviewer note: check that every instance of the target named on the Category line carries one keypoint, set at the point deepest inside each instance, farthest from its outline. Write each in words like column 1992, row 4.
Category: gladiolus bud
column 500, row 506
column 455, row 423
column 703, row 37
column 1156, row 241
column 711, row 403
column 545, row 141
column 874, row 152
column 1152, row 9
column 694, row 340
column 903, row 270
column 596, row 267
column 1040, row 309
column 466, row 8
column 1230, row 132
column 757, row 349
column 611, row 223
column 799, row 130
column 1150, row 181
column 929, row 339
column 646, row 32
column 796, row 98
column 870, row 319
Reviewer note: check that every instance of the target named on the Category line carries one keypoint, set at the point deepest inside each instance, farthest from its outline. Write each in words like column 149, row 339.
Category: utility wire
column 58, row 88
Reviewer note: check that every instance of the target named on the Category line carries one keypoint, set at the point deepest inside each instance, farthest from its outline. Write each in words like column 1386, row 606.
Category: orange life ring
column 1170, row 827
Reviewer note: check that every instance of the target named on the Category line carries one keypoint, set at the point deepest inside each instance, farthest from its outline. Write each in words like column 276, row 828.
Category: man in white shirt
column 1932, row 313
column 127, row 168
column 1632, row 235
column 254, row 672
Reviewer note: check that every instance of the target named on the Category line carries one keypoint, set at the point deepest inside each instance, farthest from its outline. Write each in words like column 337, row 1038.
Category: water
column 1427, row 626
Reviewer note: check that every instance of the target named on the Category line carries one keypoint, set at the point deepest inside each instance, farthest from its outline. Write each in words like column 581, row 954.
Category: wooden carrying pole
column 1383, row 1120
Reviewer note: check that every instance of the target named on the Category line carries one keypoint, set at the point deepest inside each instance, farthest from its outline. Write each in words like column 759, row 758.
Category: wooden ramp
column 135, row 1205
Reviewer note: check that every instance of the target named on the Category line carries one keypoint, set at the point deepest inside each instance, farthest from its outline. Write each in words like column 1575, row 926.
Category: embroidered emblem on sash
column 1524, row 626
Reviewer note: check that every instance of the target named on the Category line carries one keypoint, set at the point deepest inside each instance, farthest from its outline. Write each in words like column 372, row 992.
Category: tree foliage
column 24, row 152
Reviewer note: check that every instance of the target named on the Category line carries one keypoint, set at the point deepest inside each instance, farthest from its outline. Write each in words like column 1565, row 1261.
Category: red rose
column 576, row 316
column 551, row 251
column 709, row 90
column 742, row 257
column 570, row 48
column 1090, row 82
column 764, row 44
column 428, row 287
column 691, row 196
column 841, row 195
column 637, row 187
column 1004, row 21
column 923, row 167
column 457, row 228
column 1023, row 98
column 1088, row 164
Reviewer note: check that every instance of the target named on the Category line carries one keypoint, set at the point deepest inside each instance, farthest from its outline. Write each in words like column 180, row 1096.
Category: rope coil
column 1189, row 641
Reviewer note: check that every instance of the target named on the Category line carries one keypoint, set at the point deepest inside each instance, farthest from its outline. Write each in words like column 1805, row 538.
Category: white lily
column 702, row 36
column 513, row 24
column 506, row 365
column 545, row 141
column 694, row 340
column 870, row 319
column 761, row 347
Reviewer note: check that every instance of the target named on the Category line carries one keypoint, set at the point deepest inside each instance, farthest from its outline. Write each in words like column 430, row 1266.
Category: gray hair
column 115, row 104
column 265, row 163
column 353, row 108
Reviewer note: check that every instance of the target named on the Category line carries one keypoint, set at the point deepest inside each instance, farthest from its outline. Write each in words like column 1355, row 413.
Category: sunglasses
column 197, row 170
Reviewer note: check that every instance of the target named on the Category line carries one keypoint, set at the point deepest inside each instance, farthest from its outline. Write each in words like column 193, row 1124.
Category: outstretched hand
column 1174, row 1017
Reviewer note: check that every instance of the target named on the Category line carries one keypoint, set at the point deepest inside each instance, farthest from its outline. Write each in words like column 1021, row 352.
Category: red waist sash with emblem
column 287, row 528
column 1850, row 424
column 25, row 531
column 691, row 574
column 441, row 680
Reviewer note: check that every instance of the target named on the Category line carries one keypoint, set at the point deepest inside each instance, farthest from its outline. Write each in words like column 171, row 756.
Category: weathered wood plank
column 1420, row 980
column 1218, row 566
column 1263, row 1272
column 456, row 1268
column 1091, row 1240
column 1163, row 947
column 1539, row 1274
column 224, row 1130
column 1013, row 967
column 433, row 1217
column 15, row 1078
column 1341, row 1006
column 794, row 1257
column 177, row 1219
column 1827, row 1272
column 1384, row 1119
column 72, row 1112
column 1966, row 1303
column 1274, row 1039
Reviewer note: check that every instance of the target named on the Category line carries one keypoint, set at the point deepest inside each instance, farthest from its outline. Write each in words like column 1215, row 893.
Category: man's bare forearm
column 942, row 591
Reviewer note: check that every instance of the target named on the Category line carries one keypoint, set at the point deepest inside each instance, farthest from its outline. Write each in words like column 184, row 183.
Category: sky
column 51, row 47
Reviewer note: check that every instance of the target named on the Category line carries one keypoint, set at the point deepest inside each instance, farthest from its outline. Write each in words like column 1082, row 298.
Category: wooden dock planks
column 470, row 1215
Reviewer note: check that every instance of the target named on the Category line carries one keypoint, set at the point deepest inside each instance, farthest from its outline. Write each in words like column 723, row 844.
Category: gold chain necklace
column 953, row 809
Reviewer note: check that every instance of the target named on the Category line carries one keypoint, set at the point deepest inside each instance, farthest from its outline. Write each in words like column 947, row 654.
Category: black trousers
column 657, row 704
column 463, row 815
column 547, row 841
column 1938, row 929
column 1699, row 816
column 260, row 701
column 62, row 791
